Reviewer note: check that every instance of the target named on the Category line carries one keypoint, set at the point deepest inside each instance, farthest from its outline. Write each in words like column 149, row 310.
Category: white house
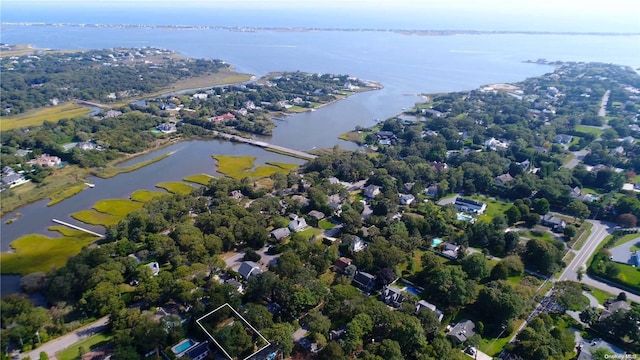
column 422, row 304
column 297, row 224
column 372, row 191
column 470, row 206
column 407, row 199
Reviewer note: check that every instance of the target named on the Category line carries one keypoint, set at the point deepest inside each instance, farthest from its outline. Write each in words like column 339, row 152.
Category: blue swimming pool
column 435, row 242
column 413, row 291
column 464, row 217
column 183, row 346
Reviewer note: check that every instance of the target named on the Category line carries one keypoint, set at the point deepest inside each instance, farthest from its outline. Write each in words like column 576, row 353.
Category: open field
column 492, row 346
column 202, row 179
column 146, row 195
column 25, row 49
column 36, row 117
column 93, row 217
column 111, row 171
column 588, row 130
column 494, row 207
column 117, row 207
column 73, row 351
column 65, row 194
column 176, row 187
column 35, row 252
column 325, row 224
column 239, row 167
column 311, row 231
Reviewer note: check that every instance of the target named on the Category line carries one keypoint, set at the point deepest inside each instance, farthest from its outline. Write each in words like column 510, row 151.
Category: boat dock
column 77, row 228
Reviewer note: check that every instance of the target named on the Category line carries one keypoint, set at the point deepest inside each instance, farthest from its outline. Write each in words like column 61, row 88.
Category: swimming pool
column 412, row 290
column 464, row 217
column 435, row 242
column 183, row 346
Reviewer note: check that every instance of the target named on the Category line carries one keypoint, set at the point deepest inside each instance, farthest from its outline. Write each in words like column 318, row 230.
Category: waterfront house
column 167, row 127
column 470, row 206
column 13, row 180
column 222, row 118
column 423, row 304
column 46, row 160
column 248, row 269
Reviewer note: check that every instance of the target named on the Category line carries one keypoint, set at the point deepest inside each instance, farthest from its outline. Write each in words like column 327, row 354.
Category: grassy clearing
column 37, row 117
column 493, row 346
column 536, row 235
column 146, row 195
column 117, row 207
column 61, row 180
column 93, row 217
column 352, row 136
column 73, row 352
column 111, row 171
column 35, row 252
column 311, row 231
column 628, row 275
column 65, row 194
column 202, row 179
column 328, row 277
column 494, row 207
column 601, row 295
column 176, row 187
column 325, row 224
column 239, row 167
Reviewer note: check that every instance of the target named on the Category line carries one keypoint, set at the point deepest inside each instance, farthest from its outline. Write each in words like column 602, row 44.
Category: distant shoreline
column 421, row 32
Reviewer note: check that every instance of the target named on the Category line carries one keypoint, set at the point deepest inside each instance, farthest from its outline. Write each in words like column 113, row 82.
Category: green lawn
column 625, row 239
column 73, row 352
column 146, row 195
column 176, row 187
column 601, row 295
column 629, row 275
column 493, row 346
column 93, row 217
column 311, row 231
column 588, row 130
column 494, row 207
column 35, row 252
column 325, row 224
column 117, row 207
column 202, row 179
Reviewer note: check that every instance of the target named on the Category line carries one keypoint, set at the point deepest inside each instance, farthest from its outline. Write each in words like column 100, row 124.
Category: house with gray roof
column 280, row 234
column 364, row 281
column 462, row 331
column 248, row 269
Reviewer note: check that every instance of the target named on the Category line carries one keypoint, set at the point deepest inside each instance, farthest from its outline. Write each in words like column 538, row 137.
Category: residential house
column 198, row 352
column 87, row 145
column 337, row 334
column 406, row 199
column 612, row 306
column 432, row 113
column 392, row 296
column 155, row 268
column 309, row 345
column 358, row 244
column 439, row 166
column 236, row 284
column 462, row 331
column 386, row 136
column 470, row 206
column 629, row 140
column 280, row 234
column 553, row 222
column 524, row 165
column 167, row 127
column 297, row 224
column 503, row 179
column 409, row 186
column 23, row 153
column 222, row 118
column 450, row 250
column 8, row 170
column 423, row 304
column 619, row 150
column 317, row 215
column 13, row 180
column 342, row 264
column 495, row 144
column 248, row 269
column 563, row 139
column 200, row 96
column 432, row 190
column 372, row 191
column 46, row 160
column 364, row 281
column 236, row 194
column 541, row 150
column 301, row 199
column 112, row 114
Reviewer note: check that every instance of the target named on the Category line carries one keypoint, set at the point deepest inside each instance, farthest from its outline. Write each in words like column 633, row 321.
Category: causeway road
column 266, row 145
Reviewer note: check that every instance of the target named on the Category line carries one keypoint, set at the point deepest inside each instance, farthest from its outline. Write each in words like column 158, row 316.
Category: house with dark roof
column 342, row 263
column 462, row 331
column 423, row 304
column 236, row 284
column 450, row 250
column 317, row 215
column 432, row 190
column 612, row 306
column 280, row 234
column 13, row 180
column 364, row 281
column 553, row 222
column 248, row 269
column 198, row 352
column 470, row 206
column 392, row 296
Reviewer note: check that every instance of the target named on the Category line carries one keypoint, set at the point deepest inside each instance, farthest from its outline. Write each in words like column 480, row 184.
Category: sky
column 609, row 15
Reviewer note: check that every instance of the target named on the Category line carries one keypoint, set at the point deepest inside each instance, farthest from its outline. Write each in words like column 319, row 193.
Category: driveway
column 623, row 253
column 233, row 260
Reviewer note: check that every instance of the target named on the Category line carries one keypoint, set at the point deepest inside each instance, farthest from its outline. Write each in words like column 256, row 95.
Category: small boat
column 90, row 185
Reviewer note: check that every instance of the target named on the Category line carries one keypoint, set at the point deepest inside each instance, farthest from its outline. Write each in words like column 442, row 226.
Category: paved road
column 297, row 153
column 577, row 158
column 603, row 105
column 65, row 341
